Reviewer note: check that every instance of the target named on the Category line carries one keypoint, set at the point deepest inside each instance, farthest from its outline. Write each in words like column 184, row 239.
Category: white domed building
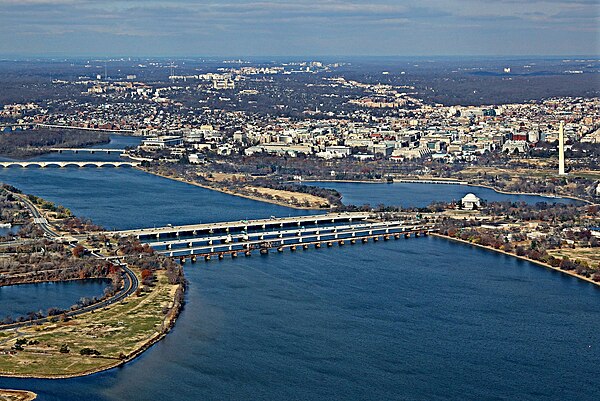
column 470, row 202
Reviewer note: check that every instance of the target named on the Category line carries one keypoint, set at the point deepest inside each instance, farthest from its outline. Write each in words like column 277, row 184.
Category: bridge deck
column 274, row 234
column 89, row 150
column 60, row 163
column 244, row 224
column 297, row 240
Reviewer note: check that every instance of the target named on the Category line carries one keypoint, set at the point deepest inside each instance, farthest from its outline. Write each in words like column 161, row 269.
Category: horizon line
column 4, row 56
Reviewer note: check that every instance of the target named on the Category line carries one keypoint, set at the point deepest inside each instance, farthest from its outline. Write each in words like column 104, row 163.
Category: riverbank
column 234, row 193
column 550, row 196
column 457, row 182
column 17, row 395
column 537, row 262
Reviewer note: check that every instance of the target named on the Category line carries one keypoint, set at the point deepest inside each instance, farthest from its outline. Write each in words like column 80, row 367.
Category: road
column 130, row 284
column 46, row 227
column 130, row 280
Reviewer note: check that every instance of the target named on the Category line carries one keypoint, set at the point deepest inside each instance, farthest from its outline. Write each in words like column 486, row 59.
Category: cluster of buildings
column 17, row 110
column 367, row 121
column 445, row 133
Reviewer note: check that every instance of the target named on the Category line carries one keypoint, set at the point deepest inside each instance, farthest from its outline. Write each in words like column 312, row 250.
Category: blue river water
column 421, row 195
column 126, row 198
column 18, row 300
column 415, row 319
column 123, row 198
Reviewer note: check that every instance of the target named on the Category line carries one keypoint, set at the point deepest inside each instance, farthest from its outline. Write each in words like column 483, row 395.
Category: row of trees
column 533, row 251
column 45, row 260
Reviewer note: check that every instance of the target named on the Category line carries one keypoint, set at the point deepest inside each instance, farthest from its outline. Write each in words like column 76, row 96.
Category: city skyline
column 299, row 28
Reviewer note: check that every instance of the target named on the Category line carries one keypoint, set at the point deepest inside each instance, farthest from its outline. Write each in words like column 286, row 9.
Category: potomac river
column 417, row 319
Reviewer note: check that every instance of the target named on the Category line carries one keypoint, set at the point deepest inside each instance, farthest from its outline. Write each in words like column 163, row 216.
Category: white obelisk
column 561, row 149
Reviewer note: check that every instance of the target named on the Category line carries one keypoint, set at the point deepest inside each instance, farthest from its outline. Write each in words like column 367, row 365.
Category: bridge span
column 292, row 239
column 88, row 150
column 241, row 225
column 230, row 238
column 44, row 164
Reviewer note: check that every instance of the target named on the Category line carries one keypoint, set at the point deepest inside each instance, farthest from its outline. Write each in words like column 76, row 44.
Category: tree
column 89, row 351
column 78, row 251
column 566, row 264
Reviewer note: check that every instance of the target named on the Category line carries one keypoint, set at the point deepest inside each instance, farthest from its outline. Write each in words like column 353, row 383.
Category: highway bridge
column 88, row 150
column 14, row 126
column 266, row 241
column 242, row 225
column 258, row 236
column 218, row 239
column 74, row 127
column 44, row 164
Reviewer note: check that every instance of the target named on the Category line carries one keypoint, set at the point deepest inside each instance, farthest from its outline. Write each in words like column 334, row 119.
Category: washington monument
column 561, row 149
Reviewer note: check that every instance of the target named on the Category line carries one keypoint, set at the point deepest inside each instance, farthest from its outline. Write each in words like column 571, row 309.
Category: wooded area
column 29, row 143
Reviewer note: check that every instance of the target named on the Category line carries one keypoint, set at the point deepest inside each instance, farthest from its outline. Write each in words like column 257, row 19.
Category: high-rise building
column 561, row 149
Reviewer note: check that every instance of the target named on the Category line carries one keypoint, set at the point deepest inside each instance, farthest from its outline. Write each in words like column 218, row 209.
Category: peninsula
column 141, row 304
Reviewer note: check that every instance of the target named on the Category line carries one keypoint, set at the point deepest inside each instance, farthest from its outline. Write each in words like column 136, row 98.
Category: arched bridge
column 44, row 164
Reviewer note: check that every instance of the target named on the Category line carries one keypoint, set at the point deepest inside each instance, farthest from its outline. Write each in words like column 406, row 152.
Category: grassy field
column 118, row 332
column 589, row 255
column 288, row 196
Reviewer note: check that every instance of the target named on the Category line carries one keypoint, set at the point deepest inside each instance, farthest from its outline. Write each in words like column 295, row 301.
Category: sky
column 299, row 27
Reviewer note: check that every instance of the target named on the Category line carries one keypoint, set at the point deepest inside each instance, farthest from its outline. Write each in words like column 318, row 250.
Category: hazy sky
column 299, row 27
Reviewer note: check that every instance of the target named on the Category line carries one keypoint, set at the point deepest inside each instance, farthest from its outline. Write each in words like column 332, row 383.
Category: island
column 24, row 144
column 17, row 395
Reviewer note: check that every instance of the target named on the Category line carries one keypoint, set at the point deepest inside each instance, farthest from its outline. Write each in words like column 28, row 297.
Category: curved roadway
column 130, row 280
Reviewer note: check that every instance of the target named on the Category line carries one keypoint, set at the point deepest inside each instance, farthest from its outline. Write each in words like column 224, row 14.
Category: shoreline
column 66, row 280
column 457, row 182
column 229, row 192
column 537, row 262
column 549, row 196
column 22, row 395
